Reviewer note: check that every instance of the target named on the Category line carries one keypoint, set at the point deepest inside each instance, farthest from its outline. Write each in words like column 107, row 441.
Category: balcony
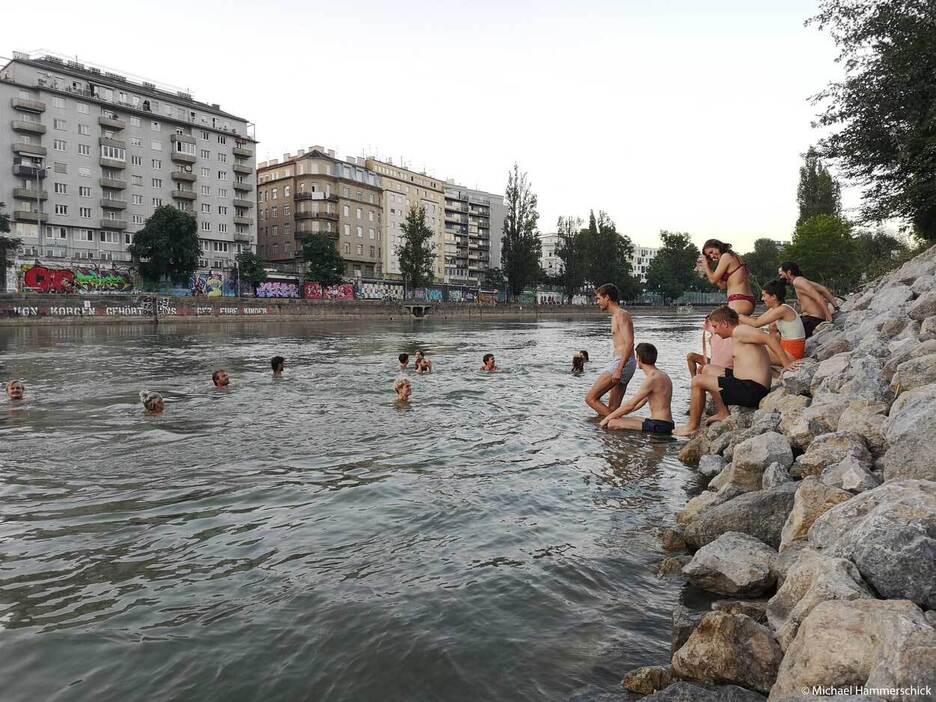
column 238, row 202
column 180, row 157
column 29, row 149
column 244, row 220
column 183, row 194
column 112, row 122
column 242, row 169
column 28, row 105
column 112, row 163
column 302, row 214
column 111, row 183
column 314, row 227
column 30, row 194
column 113, row 224
column 28, row 171
column 110, row 141
column 187, row 176
column 243, row 237
column 315, row 196
column 27, row 126
column 109, row 204
column 246, row 187
column 183, row 138
column 30, row 216
column 243, row 152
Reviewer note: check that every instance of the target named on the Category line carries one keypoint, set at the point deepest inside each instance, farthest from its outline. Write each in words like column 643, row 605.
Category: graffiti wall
column 314, row 291
column 278, row 288
column 45, row 279
column 462, row 295
column 213, row 284
column 378, row 291
column 434, row 294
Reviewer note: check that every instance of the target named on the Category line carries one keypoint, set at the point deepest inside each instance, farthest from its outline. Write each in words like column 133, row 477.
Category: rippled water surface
column 307, row 538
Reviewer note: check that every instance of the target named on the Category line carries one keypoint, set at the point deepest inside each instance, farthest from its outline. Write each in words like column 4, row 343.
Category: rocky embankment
column 818, row 524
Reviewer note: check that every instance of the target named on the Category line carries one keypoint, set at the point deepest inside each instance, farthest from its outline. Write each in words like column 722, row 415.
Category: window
column 61, row 209
column 204, row 134
column 347, row 211
column 89, row 235
column 154, row 126
column 137, row 199
column 136, row 180
column 156, row 146
column 56, row 101
column 205, row 153
column 206, row 172
column 286, row 191
column 370, row 215
column 273, row 212
column 347, row 230
column 113, row 152
column 157, row 202
column 134, row 121
column 84, row 191
column 359, row 213
column 222, row 209
column 206, row 227
column 205, row 207
column 360, row 232
column 346, row 248
column 136, row 160
column 222, row 228
column 84, row 130
column 222, row 139
column 370, row 233
column 360, row 249
column 157, row 182
column 60, row 124
column 285, row 210
column 222, row 192
column 136, row 219
column 185, row 148
column 60, row 145
column 372, row 251
column 61, row 188
column 136, row 141
column 222, row 175
column 222, row 157
column 84, row 212
column 157, row 164
column 275, row 191
column 206, row 190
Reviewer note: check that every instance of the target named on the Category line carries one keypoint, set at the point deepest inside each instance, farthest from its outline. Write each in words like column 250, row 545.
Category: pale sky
column 680, row 115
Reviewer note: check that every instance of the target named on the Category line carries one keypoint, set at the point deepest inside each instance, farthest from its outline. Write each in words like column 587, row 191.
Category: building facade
column 90, row 154
column 313, row 192
column 474, row 222
column 640, row 261
column 549, row 261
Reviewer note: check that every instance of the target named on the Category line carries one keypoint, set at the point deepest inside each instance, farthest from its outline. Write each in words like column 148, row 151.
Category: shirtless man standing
column 621, row 369
column 814, row 299
column 748, row 383
column 657, row 390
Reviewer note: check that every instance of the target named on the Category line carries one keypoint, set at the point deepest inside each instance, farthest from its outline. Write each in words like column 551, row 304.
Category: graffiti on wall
column 43, row 279
column 434, row 294
column 314, row 291
column 462, row 295
column 214, row 284
column 276, row 288
column 378, row 291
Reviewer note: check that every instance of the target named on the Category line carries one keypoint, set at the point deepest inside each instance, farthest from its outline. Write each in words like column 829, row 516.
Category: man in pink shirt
column 722, row 354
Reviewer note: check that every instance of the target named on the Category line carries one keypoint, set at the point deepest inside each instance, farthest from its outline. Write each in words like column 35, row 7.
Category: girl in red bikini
column 730, row 274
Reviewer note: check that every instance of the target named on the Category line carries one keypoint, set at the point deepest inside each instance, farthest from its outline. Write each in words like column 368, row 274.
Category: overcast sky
column 681, row 115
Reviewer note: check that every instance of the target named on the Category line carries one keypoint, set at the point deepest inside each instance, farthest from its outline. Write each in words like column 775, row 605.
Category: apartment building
column 403, row 188
column 474, row 222
column 640, row 261
column 313, row 192
column 93, row 153
column 549, row 261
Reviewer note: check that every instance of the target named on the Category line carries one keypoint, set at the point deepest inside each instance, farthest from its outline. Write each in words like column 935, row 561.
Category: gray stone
column 890, row 534
column 830, row 449
column 698, row 504
column 765, row 420
column 924, row 306
column 799, row 381
column 775, row 474
column 755, row 609
column 760, row 514
column 783, row 401
column 683, row 691
column 812, row 500
column 685, row 621
column 831, row 345
column 864, row 379
column 849, row 474
column 730, row 648
column 648, row 679
column 915, row 373
column 812, row 579
column 875, row 643
column 789, row 557
column 890, row 297
column 868, row 420
column 711, row 465
column 821, row 417
column 908, row 349
column 694, row 449
column 909, row 429
column 670, row 567
column 752, row 456
column 831, row 370
column 672, row 540
column 733, row 564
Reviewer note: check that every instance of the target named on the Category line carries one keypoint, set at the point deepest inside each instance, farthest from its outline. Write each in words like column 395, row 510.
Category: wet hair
column 420, row 352
column 487, row 356
column 724, row 314
column 403, row 357
column 214, row 376
column 646, row 353
column 150, row 400
column 791, row 267
column 584, row 355
column 610, row 291
column 777, row 288
column 400, row 382
column 277, row 362
column 716, row 244
column 578, row 362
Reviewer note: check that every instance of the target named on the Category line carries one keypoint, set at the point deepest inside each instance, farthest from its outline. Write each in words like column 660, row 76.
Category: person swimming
column 220, row 378
column 403, row 358
column 15, row 390
column 578, row 363
column 403, row 388
column 152, row 401
column 278, row 363
column 489, row 364
column 422, row 361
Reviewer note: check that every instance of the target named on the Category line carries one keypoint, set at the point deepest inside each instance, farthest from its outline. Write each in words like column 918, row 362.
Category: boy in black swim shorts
column 657, row 390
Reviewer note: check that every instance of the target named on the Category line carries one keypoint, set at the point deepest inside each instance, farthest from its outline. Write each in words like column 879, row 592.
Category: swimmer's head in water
column 404, row 358
column 152, row 401
column 403, row 388
column 15, row 390
column 578, row 362
column 584, row 355
column 488, row 360
column 220, row 378
column 278, row 363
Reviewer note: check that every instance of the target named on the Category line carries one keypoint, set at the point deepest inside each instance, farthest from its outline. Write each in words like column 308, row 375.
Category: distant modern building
column 313, row 192
column 549, row 261
column 640, row 261
column 781, row 244
column 474, row 223
column 90, row 154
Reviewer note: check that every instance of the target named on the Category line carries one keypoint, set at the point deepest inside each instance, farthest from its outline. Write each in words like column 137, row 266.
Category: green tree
column 672, row 270
column 570, row 251
column 818, row 192
column 417, row 252
column 521, row 246
column 607, row 256
column 763, row 261
column 167, row 246
column 882, row 112
column 8, row 244
column 323, row 263
column 250, row 268
column 880, row 252
column 493, row 279
column 826, row 251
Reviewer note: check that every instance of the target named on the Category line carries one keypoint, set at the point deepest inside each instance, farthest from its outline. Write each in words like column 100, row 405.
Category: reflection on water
column 308, row 538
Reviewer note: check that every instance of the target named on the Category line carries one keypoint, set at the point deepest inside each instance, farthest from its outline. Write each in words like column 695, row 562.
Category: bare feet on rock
column 685, row 430
column 716, row 418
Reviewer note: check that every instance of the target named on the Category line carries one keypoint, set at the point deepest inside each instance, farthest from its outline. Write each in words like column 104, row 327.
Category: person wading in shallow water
column 619, row 372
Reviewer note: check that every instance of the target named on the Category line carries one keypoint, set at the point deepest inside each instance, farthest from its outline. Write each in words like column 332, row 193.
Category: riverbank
column 817, row 524
column 28, row 310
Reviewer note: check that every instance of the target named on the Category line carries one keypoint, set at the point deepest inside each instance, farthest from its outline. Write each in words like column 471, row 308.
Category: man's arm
column 632, row 405
column 805, row 288
column 750, row 335
column 824, row 291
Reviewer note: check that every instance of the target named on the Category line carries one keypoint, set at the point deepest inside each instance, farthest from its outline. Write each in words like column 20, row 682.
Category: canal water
column 307, row 538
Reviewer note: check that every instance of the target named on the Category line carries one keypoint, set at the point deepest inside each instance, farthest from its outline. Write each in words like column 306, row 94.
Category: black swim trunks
column 747, row 393
column 657, row 426
column 810, row 323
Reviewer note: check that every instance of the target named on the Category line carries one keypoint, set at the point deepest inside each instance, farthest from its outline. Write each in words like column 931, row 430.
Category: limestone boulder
column 685, row 621
column 864, row 379
column 720, row 480
column 763, row 421
column 711, row 465
column 783, row 401
column 755, row 609
column 775, row 474
column 849, row 474
column 698, row 504
column 648, row 679
column 760, row 514
column 798, row 382
column 830, row 372
column 891, row 297
column 866, row 419
column 672, row 540
column 889, row 533
column 730, row 648
column 812, row 579
column 672, row 567
column 905, row 350
column 694, row 449
column 915, row 372
column 829, row 449
column 821, row 417
column 683, row 691
column 733, row 564
column 908, row 432
column 876, row 643
column 751, row 457
column 813, row 499
column 924, row 306
column 789, row 557
column 831, row 344
column 928, row 329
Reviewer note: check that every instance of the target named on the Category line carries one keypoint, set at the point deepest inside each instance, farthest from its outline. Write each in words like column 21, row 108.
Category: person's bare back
column 656, row 391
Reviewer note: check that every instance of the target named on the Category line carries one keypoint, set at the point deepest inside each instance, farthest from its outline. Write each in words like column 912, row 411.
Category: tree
column 417, row 252
column 880, row 252
column 818, row 192
column 882, row 110
column 763, row 261
column 607, row 256
column 250, row 268
column 7, row 244
column 323, row 263
column 570, row 250
column 825, row 250
column 493, row 279
column 167, row 246
column 672, row 270
column 521, row 246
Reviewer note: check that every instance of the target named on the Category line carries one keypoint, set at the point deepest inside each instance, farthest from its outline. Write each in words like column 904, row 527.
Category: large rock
column 783, row 401
column 812, row 579
column 802, row 426
column 832, row 344
column 866, row 419
column 928, row 329
column 830, row 371
column 755, row 609
column 875, row 643
column 751, row 457
column 648, row 679
column 924, row 306
column 730, row 648
column 685, row 621
column 733, row 564
column 850, row 474
column 864, row 379
column 905, row 350
column 915, row 372
column 672, row 540
column 698, row 504
column 711, row 465
column 909, row 429
column 798, row 382
column 812, row 500
column 829, row 449
column 775, row 474
column 760, row 514
column 683, row 691
column 890, row 534
column 694, row 449
column 890, row 297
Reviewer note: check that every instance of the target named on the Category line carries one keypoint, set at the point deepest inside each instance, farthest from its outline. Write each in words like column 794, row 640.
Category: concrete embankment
column 818, row 526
